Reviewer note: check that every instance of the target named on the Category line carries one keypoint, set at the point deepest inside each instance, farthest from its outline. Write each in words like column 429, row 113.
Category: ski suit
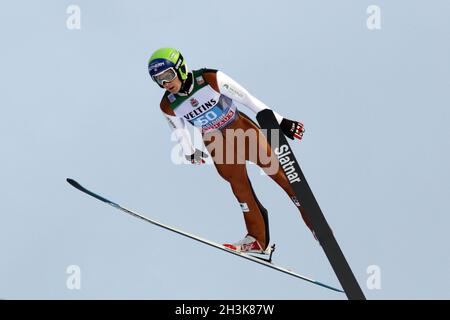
column 208, row 103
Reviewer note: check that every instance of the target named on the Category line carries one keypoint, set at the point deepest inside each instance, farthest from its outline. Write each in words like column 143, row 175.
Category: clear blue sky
column 79, row 103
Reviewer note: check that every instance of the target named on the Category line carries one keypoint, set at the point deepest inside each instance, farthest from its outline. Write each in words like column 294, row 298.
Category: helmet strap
column 187, row 85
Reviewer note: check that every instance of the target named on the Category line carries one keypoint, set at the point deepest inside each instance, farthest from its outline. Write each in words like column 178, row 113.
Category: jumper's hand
column 197, row 157
column 292, row 129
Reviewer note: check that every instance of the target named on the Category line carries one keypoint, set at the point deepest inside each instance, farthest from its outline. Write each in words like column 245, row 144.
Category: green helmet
column 166, row 58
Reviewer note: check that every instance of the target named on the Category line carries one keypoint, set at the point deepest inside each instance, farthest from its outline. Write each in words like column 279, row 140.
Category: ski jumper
column 209, row 105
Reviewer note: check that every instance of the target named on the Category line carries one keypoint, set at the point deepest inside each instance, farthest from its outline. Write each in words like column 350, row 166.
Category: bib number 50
column 206, row 118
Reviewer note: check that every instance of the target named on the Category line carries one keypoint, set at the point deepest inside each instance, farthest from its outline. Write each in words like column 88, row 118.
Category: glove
column 292, row 129
column 196, row 157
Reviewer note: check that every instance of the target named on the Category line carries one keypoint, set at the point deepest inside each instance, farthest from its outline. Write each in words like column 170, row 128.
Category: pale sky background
column 80, row 104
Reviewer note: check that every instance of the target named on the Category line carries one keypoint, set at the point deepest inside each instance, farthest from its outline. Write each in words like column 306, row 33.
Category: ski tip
column 73, row 183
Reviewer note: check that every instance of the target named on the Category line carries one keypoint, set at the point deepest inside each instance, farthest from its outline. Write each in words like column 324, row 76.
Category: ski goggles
column 165, row 76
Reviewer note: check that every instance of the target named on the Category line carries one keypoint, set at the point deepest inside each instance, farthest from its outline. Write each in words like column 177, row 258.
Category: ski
column 294, row 173
column 261, row 261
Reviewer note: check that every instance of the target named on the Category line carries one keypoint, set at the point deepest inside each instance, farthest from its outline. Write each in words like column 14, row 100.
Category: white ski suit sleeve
column 181, row 132
column 238, row 93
